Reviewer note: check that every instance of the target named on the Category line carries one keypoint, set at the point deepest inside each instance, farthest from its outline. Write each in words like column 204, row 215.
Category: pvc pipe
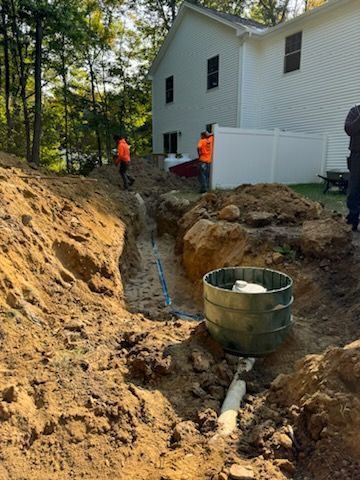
column 233, row 399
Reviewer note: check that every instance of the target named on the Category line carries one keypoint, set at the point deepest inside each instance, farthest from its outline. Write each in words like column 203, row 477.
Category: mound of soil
column 259, row 225
column 323, row 398
column 91, row 390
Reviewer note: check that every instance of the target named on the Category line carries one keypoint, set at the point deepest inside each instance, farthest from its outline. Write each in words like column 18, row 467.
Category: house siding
column 197, row 39
column 316, row 98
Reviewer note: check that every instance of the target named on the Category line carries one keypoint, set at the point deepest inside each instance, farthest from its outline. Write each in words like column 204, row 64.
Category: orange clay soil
column 92, row 387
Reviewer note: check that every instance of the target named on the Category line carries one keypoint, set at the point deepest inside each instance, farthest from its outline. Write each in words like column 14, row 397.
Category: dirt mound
column 150, row 181
column 323, row 398
column 260, row 225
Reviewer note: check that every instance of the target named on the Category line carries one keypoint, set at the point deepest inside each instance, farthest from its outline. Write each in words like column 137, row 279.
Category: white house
column 302, row 76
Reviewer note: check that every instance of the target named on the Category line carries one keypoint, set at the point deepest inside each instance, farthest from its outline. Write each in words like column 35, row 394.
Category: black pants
column 127, row 179
column 353, row 199
column 204, row 176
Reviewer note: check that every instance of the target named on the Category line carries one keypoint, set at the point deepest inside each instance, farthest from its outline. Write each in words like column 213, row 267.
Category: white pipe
column 233, row 399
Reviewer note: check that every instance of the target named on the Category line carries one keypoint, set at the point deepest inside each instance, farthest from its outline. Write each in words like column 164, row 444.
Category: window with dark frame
column 170, row 142
column 169, row 89
column 292, row 52
column 213, row 72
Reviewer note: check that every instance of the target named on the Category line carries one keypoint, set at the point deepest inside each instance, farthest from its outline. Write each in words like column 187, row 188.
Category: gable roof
column 239, row 24
column 234, row 19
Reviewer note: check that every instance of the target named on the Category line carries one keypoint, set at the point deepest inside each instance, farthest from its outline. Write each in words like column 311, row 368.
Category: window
column 170, row 142
column 169, row 89
column 292, row 52
column 213, row 72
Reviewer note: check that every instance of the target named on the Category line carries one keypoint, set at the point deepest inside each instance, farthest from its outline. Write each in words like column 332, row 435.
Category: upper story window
column 213, row 72
column 292, row 52
column 169, row 89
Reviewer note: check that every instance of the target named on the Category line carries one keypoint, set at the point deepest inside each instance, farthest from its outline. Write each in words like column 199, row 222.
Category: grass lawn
column 333, row 200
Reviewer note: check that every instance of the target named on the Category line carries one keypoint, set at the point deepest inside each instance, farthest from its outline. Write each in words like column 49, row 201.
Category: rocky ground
column 99, row 380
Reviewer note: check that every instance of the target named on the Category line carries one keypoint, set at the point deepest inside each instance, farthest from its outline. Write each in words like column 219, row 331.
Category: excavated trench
column 276, row 439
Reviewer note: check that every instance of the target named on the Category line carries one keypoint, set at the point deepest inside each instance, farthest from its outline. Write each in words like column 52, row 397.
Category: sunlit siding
column 197, row 39
column 316, row 98
column 250, row 79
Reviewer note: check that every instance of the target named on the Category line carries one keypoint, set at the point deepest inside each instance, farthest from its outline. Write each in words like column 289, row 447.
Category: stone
column 184, row 431
column 239, row 472
column 200, row 361
column 277, row 258
column 10, row 394
column 26, row 219
column 284, row 440
column 222, row 476
column 198, row 391
column 210, row 245
column 259, row 219
column 230, row 213
column 208, row 420
column 285, row 465
column 325, row 239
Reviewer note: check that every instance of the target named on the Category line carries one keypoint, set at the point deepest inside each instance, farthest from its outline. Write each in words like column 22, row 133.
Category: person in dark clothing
column 352, row 128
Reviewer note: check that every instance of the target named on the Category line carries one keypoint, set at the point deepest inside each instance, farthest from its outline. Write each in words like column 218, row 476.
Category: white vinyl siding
column 197, row 39
column 316, row 98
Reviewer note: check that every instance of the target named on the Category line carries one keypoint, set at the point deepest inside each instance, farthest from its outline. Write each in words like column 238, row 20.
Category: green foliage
column 287, row 251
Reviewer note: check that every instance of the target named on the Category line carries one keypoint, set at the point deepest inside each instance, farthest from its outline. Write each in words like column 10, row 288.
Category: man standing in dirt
column 352, row 128
column 123, row 159
column 205, row 151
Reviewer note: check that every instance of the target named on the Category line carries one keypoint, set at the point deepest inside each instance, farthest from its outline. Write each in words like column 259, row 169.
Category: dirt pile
column 260, row 225
column 323, row 400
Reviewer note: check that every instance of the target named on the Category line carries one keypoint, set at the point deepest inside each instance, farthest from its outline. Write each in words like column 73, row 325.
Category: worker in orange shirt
column 205, row 152
column 123, row 159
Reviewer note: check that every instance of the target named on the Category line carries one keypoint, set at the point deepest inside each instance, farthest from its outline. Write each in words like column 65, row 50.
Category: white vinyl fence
column 266, row 156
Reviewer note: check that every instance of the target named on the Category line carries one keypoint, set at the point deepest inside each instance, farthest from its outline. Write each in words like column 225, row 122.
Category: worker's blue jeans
column 353, row 199
column 204, row 176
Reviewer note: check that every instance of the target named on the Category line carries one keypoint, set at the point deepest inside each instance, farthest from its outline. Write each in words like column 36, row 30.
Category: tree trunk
column 106, row 115
column 92, row 81
column 7, row 67
column 66, row 111
column 38, row 90
column 22, row 81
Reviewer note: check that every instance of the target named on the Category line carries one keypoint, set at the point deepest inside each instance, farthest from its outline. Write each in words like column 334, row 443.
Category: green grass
column 333, row 200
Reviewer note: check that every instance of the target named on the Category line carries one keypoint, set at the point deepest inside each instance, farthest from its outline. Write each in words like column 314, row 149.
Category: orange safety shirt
column 205, row 147
column 123, row 152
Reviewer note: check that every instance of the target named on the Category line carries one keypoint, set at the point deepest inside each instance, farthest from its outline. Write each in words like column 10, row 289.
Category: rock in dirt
column 259, row 219
column 10, row 394
column 201, row 361
column 197, row 391
column 283, row 440
column 169, row 211
column 238, row 472
column 26, row 219
column 285, row 466
column 184, row 432
column 231, row 213
column 209, row 245
column 327, row 238
column 208, row 420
